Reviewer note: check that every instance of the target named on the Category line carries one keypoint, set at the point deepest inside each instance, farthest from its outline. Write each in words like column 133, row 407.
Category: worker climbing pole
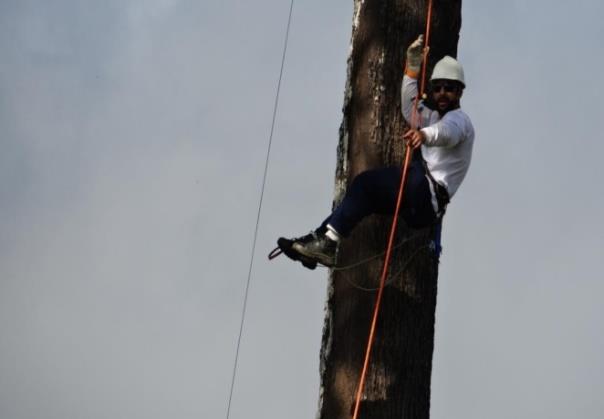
column 375, row 189
column 397, row 382
column 388, row 375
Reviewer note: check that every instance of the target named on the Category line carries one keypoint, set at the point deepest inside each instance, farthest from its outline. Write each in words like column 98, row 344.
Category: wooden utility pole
column 398, row 380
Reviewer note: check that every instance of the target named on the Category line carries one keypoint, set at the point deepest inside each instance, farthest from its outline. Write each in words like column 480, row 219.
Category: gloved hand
column 415, row 54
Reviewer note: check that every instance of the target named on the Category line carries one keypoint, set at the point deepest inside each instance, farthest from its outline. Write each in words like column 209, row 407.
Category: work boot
column 318, row 247
column 285, row 246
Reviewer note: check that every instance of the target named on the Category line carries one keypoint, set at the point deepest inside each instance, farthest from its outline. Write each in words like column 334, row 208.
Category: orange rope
column 378, row 301
column 426, row 49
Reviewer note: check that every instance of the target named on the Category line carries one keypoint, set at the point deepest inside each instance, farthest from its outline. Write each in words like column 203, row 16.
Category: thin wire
column 266, row 164
column 392, row 276
column 370, row 258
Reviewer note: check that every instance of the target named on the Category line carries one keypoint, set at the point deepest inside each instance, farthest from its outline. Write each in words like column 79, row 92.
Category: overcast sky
column 133, row 135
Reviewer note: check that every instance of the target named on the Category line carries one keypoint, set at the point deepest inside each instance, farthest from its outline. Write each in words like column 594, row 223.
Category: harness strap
column 441, row 193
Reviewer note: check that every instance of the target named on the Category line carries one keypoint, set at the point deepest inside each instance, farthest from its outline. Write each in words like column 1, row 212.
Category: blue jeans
column 376, row 191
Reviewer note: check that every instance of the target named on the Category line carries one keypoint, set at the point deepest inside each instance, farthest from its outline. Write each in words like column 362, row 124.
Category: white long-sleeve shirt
column 449, row 140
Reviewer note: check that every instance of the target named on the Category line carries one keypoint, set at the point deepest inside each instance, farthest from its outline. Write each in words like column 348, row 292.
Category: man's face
column 446, row 95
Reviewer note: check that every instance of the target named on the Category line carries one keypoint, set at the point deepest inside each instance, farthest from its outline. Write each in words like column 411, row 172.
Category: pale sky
column 133, row 137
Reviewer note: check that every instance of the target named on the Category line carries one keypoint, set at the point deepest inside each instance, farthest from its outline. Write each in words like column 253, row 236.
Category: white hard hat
column 448, row 68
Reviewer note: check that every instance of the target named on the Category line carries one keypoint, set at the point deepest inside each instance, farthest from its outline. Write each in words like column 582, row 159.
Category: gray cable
column 268, row 152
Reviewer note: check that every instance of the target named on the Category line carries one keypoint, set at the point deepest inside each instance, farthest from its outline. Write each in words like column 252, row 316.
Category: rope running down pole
column 384, row 275
column 268, row 152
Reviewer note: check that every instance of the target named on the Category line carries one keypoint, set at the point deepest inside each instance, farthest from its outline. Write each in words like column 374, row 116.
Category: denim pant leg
column 375, row 192
column 416, row 208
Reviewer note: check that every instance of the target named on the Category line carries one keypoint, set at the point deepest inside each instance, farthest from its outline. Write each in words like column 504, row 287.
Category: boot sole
column 286, row 246
column 323, row 259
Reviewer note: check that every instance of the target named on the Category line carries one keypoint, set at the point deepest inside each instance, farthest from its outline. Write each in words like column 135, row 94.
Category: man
column 442, row 152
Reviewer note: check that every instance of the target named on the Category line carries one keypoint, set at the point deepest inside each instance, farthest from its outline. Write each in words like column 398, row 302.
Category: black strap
column 441, row 193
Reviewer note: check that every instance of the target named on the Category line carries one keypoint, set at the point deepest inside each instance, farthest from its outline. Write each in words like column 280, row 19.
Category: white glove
column 415, row 54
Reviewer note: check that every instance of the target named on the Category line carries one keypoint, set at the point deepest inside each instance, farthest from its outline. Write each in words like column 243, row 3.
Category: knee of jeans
column 361, row 180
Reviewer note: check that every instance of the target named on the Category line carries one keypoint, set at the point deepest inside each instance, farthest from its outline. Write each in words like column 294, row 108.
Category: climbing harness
column 441, row 193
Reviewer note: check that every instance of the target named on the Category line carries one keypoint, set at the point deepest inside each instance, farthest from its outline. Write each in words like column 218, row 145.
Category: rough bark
column 398, row 381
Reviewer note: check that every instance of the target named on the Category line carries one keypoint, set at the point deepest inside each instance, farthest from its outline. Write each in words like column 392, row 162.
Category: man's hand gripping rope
column 415, row 55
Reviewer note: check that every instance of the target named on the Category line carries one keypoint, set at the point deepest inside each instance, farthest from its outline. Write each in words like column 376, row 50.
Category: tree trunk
column 398, row 380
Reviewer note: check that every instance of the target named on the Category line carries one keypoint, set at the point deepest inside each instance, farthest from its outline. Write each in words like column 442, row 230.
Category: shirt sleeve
column 408, row 94
column 448, row 132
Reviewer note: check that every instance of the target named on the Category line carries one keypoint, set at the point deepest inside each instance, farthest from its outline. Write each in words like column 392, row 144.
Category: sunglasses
column 447, row 87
